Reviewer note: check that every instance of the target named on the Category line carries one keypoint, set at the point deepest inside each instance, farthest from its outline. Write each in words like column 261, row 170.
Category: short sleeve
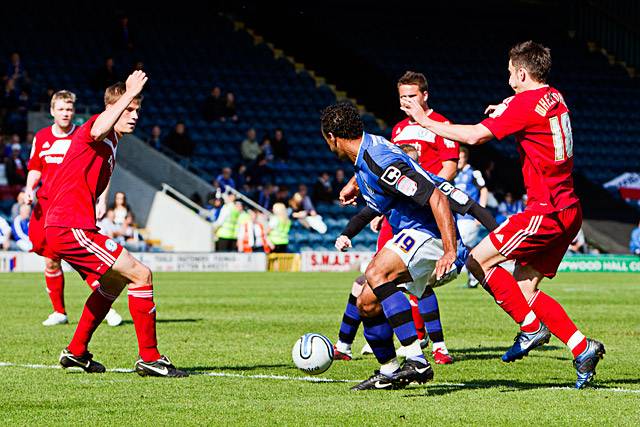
column 510, row 117
column 35, row 164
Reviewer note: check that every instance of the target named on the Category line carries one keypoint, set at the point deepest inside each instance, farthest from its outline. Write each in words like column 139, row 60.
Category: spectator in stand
column 339, row 181
column 322, row 190
column 509, row 207
column 279, row 226
column 250, row 149
column 261, row 173
column 242, row 178
column 230, row 107
column 225, row 180
column 16, row 71
column 179, row 141
column 282, row 195
column 265, row 198
column 214, row 106
column 138, row 66
column 634, row 243
column 20, row 200
column 5, row 234
column 267, row 149
column 213, row 206
column 244, row 232
column 106, row 225
column 16, row 166
column 123, row 37
column 20, row 229
column 154, row 140
column 129, row 236
column 120, row 208
column 280, row 146
column 106, row 75
column 8, row 104
column 304, row 211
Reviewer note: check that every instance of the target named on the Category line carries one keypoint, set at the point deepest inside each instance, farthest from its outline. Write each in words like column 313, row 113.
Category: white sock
column 390, row 367
column 343, row 347
column 413, row 350
column 440, row 345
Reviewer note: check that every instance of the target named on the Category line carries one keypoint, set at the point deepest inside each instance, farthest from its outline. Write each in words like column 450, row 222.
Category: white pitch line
column 310, row 379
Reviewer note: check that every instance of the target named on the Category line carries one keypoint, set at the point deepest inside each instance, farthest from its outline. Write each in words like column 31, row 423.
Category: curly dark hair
column 342, row 120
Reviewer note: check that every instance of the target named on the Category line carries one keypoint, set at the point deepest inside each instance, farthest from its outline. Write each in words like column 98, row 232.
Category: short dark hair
column 413, row 78
column 342, row 120
column 533, row 57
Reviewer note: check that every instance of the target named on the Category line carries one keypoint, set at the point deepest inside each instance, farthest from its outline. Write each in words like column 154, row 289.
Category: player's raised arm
column 105, row 121
column 466, row 134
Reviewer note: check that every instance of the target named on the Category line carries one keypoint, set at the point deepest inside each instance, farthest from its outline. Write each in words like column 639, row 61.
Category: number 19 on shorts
column 404, row 242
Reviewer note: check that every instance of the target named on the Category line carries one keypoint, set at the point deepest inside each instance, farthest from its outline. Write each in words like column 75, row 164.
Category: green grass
column 246, row 324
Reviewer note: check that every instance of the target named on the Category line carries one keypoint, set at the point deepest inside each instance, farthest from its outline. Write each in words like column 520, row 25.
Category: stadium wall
column 177, row 226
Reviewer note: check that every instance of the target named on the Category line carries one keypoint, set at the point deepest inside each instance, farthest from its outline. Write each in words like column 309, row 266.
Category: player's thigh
column 133, row 270
column 367, row 303
column 387, row 266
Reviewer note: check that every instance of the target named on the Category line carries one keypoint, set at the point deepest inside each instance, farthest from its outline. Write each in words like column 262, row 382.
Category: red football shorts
column 90, row 253
column 539, row 240
column 36, row 230
column 385, row 234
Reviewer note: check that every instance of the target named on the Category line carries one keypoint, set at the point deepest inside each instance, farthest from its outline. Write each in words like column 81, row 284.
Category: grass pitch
column 238, row 330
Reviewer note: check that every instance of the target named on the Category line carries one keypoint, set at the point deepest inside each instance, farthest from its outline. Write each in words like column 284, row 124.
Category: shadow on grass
column 130, row 322
column 510, row 385
column 487, row 353
column 205, row 369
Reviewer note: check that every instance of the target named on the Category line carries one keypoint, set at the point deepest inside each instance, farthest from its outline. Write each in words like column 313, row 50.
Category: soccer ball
column 313, row 353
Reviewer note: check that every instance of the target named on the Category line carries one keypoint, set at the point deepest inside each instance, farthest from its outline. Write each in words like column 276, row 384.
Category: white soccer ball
column 313, row 353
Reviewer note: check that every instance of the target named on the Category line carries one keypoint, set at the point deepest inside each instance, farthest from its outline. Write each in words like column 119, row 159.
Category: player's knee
column 143, row 275
column 376, row 274
column 51, row 264
column 368, row 308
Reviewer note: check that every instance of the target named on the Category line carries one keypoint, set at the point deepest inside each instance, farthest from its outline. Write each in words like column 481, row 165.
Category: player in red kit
column 537, row 238
column 72, row 234
column 440, row 157
column 49, row 147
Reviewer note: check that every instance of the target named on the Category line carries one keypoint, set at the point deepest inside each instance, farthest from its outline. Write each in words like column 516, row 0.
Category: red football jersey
column 432, row 149
column 47, row 151
column 81, row 179
column 539, row 119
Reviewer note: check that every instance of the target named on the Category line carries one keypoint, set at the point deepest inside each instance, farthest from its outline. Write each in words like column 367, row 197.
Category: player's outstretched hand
column 413, row 109
column 443, row 265
column 343, row 243
column 376, row 223
column 136, row 81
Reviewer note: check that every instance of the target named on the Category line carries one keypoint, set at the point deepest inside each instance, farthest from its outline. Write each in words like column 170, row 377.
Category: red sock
column 95, row 310
column 143, row 313
column 418, row 321
column 508, row 296
column 558, row 322
column 55, row 288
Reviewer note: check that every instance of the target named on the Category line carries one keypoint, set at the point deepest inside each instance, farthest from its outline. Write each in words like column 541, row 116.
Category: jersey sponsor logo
column 414, row 133
column 391, row 175
column 111, row 245
column 55, row 152
column 449, row 143
column 407, row 186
